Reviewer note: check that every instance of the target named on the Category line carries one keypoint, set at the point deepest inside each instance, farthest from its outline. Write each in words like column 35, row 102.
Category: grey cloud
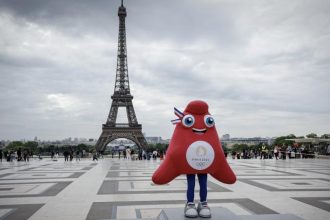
column 17, row 61
column 171, row 20
column 71, row 16
column 263, row 67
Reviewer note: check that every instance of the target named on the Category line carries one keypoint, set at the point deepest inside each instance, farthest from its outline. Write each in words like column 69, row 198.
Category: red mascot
column 195, row 148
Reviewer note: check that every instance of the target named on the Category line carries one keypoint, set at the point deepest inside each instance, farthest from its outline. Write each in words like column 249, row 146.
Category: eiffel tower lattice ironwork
column 121, row 98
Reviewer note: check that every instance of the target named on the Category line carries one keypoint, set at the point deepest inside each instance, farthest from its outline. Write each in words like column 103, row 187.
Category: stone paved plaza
column 122, row 189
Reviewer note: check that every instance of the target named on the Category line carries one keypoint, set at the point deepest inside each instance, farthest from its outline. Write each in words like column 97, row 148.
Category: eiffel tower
column 121, row 98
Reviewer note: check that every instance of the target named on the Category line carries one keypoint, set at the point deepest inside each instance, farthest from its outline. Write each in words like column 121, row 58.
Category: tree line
column 34, row 148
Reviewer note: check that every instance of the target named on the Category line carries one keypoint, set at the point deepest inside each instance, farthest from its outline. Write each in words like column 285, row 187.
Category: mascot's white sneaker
column 204, row 210
column 190, row 210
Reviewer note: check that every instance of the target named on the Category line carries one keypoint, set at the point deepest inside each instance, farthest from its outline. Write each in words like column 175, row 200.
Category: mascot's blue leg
column 191, row 187
column 202, row 179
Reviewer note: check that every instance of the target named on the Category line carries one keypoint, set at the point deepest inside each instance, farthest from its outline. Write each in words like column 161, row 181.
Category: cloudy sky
column 263, row 66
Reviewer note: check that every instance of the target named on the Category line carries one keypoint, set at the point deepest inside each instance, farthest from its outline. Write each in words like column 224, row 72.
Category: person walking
column 66, row 155
column 128, row 153
column 56, row 156
column 288, row 151
column 6, row 155
column 25, row 156
column 95, row 157
column 71, row 155
column 154, row 154
column 283, row 152
column 77, row 155
column 276, row 152
column 144, row 155
column 263, row 151
column 124, row 153
column 19, row 154
column 28, row 155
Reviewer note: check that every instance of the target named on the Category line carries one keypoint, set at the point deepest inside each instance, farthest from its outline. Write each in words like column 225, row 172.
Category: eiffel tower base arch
column 111, row 133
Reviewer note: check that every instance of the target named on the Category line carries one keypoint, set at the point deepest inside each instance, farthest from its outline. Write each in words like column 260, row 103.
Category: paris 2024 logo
column 200, row 155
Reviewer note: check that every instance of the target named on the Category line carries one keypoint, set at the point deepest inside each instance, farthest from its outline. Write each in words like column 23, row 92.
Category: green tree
column 14, row 145
column 255, row 147
column 240, row 147
column 311, row 135
column 85, row 147
column 282, row 140
column 325, row 136
column 159, row 147
column 32, row 146
column 291, row 136
column 224, row 147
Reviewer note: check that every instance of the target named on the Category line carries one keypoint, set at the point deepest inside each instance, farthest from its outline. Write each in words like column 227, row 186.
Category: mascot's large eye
column 209, row 121
column 188, row 120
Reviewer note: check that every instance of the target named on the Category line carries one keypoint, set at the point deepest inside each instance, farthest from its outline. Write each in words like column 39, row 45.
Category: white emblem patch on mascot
column 200, row 155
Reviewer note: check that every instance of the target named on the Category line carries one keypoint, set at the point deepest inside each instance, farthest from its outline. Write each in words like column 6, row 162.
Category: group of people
column 68, row 155
column 130, row 154
column 278, row 152
column 126, row 153
column 96, row 156
column 18, row 155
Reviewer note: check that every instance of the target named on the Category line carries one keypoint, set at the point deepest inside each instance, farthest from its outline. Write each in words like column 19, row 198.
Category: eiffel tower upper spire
column 122, row 82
